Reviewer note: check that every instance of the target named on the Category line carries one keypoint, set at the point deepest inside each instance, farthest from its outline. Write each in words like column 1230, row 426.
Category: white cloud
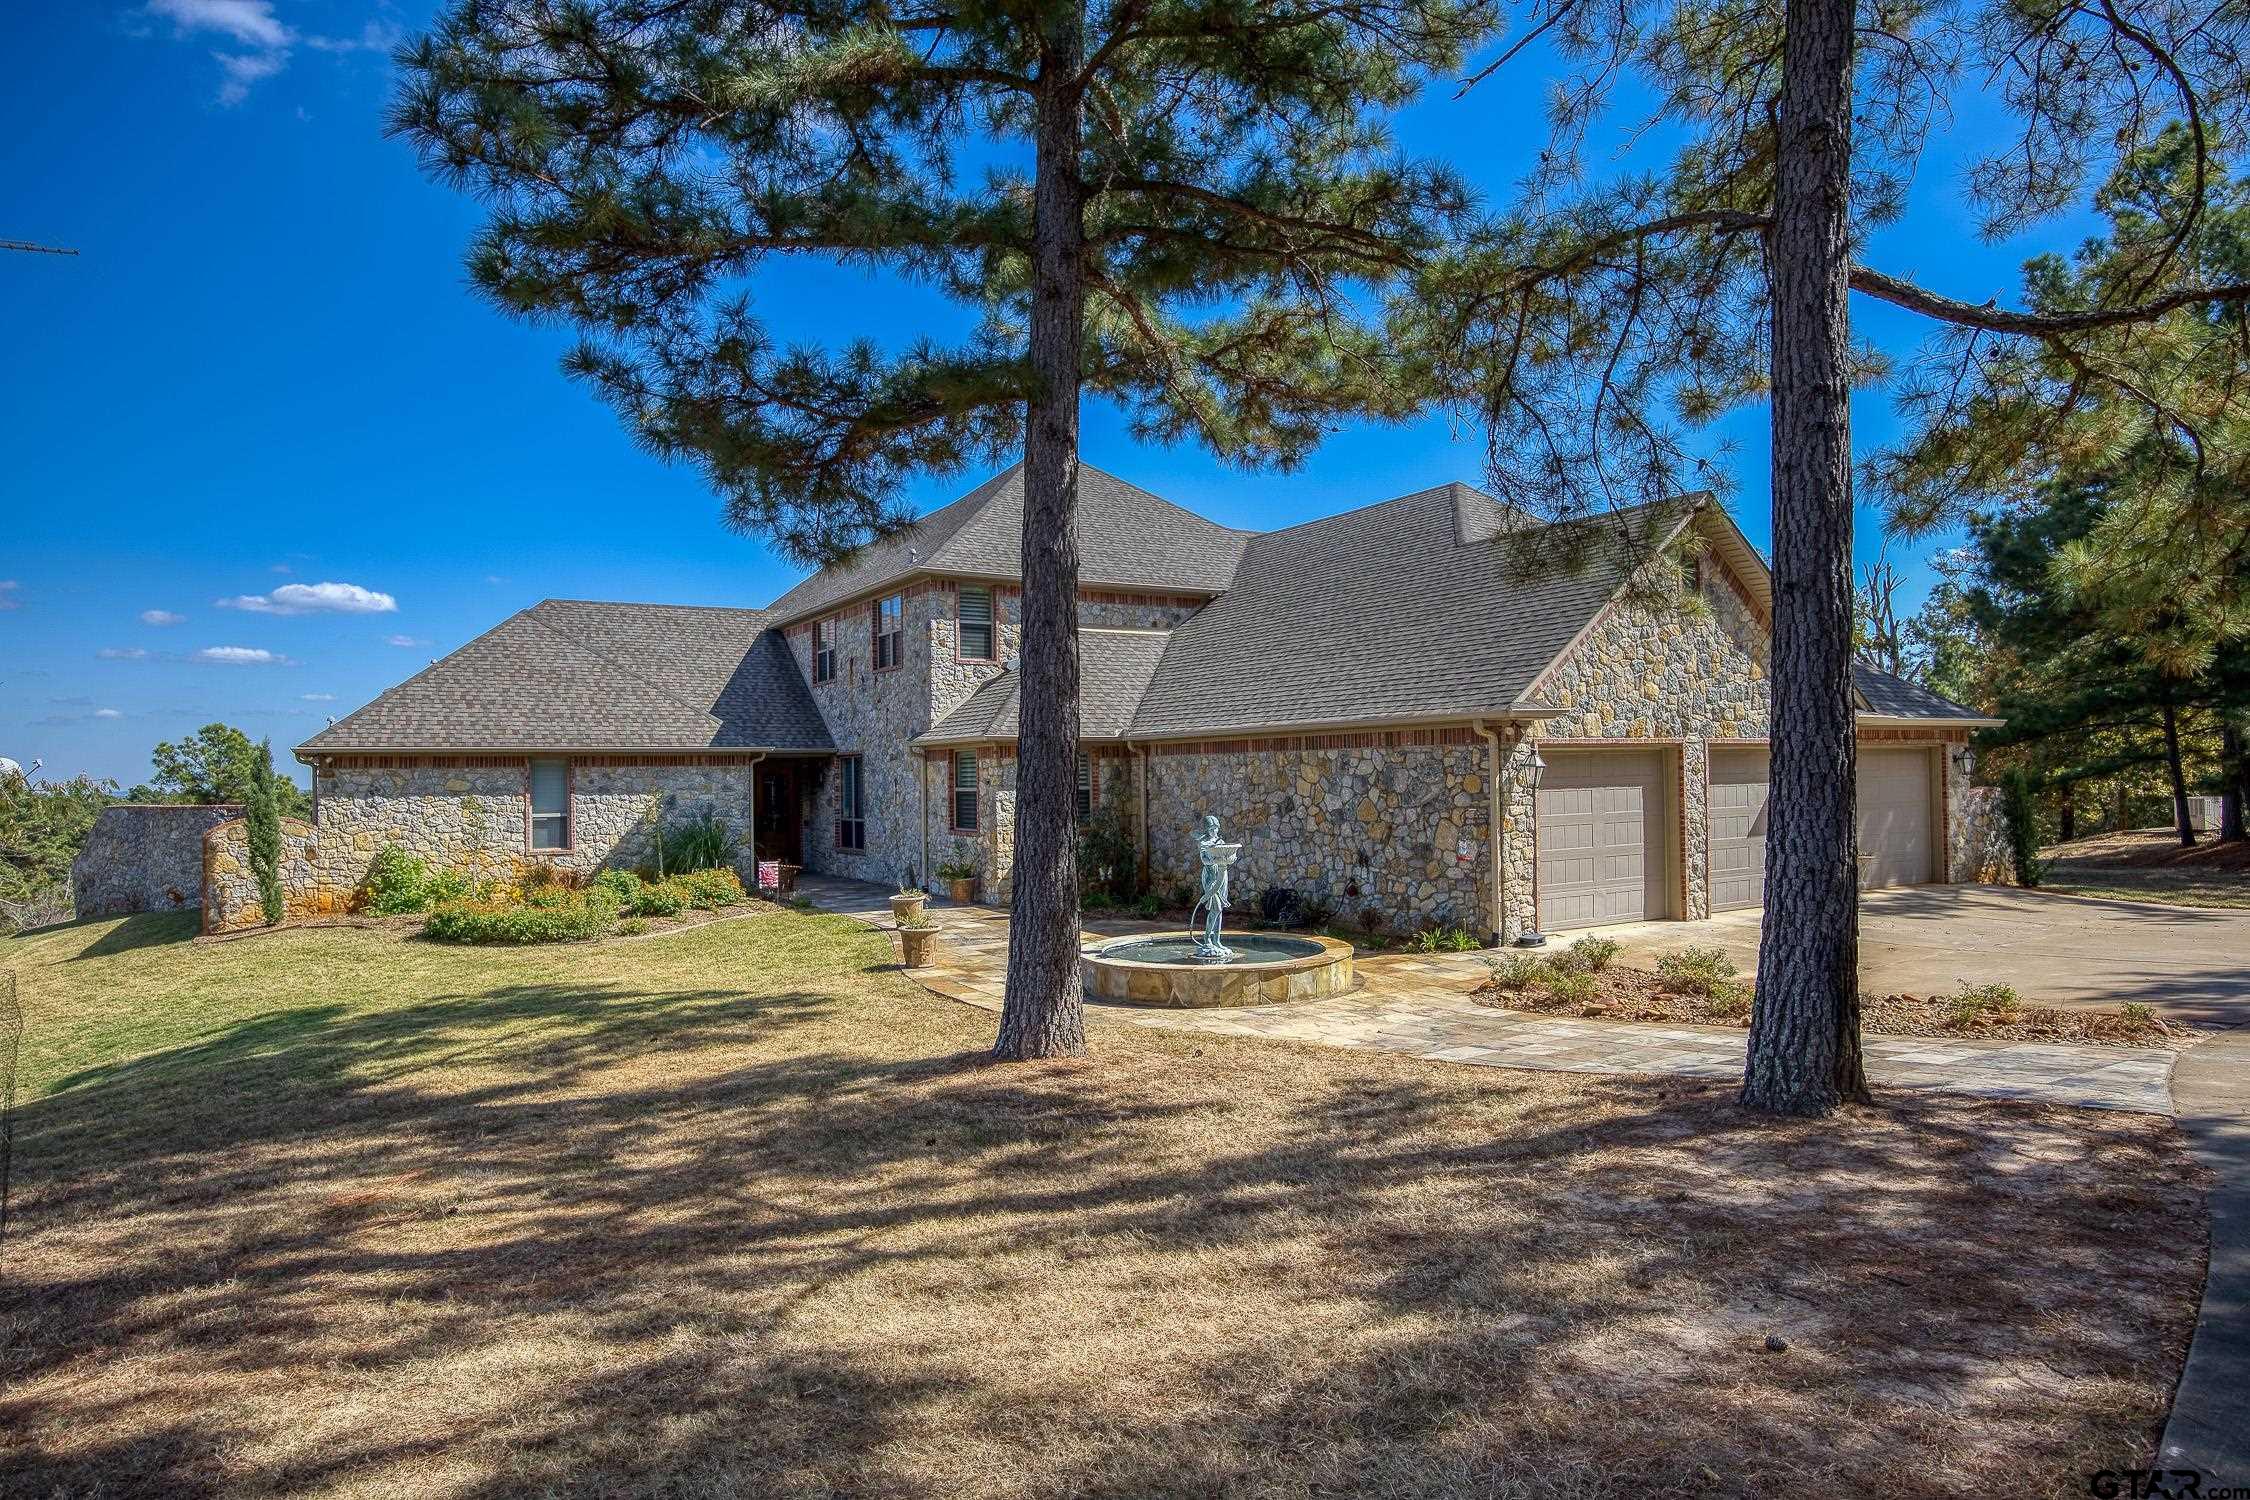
column 252, row 25
column 314, row 598
column 107, row 713
column 8, row 589
column 121, row 653
column 161, row 617
column 281, row 568
column 404, row 640
column 318, row 697
column 242, row 656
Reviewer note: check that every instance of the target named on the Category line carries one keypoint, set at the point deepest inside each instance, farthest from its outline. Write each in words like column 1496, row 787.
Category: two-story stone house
column 1397, row 711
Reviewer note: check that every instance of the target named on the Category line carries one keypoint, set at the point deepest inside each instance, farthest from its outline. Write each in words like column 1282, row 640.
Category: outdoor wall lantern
column 1536, row 768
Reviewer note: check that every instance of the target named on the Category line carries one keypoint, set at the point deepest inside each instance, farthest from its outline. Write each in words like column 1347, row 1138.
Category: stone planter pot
column 914, row 946
column 907, row 905
column 962, row 891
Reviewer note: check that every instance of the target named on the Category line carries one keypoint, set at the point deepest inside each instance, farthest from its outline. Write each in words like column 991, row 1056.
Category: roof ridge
column 729, row 609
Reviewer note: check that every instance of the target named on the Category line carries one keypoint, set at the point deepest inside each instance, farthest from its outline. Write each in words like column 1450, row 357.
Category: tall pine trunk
column 1043, row 1013
column 2234, row 765
column 2182, row 824
column 2066, row 814
column 1804, row 1056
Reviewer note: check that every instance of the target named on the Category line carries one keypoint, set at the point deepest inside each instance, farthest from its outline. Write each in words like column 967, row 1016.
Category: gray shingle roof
column 1127, row 537
column 574, row 675
column 1381, row 614
column 1883, row 693
column 1114, row 667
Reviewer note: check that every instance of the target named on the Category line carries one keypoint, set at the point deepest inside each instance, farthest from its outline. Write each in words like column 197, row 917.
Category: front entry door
column 779, row 821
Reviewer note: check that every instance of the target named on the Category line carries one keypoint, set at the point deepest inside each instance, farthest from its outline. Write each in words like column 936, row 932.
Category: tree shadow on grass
column 147, row 930
column 599, row 1240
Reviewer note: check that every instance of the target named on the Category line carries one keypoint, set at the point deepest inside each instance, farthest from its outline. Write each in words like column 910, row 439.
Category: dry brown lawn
column 2148, row 864
column 742, row 1212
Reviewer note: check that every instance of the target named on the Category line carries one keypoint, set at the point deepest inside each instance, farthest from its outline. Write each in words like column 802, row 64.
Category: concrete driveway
column 2191, row 964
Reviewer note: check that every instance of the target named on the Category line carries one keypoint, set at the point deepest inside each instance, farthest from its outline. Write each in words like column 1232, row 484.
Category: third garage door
column 1895, row 843
column 1738, row 827
column 1601, row 837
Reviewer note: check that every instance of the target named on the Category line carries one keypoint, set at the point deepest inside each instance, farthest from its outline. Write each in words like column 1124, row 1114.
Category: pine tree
column 1176, row 205
column 1595, row 327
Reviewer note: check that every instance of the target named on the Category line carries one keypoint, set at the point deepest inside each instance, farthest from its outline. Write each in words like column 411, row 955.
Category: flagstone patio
column 1419, row 1004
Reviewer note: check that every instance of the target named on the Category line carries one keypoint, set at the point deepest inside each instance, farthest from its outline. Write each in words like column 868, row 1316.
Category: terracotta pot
column 914, row 945
column 908, row 905
column 963, row 891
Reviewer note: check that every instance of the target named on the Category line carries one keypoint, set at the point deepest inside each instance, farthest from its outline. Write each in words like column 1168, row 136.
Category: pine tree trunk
column 2234, row 765
column 2066, row 816
column 1804, row 1055
column 2182, row 824
column 1043, row 1012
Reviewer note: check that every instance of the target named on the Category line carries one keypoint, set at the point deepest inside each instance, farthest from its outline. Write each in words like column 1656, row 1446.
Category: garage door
column 1738, row 828
column 1895, row 842
column 1601, row 837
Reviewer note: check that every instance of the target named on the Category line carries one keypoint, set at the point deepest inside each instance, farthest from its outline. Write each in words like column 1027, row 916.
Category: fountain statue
column 1216, row 858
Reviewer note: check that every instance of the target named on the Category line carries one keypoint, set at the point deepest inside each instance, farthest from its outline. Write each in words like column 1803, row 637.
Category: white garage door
column 1738, row 828
column 1601, row 837
column 1896, row 846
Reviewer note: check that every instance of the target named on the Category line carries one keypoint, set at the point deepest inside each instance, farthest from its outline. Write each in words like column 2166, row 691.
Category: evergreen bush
column 262, row 819
column 2019, row 813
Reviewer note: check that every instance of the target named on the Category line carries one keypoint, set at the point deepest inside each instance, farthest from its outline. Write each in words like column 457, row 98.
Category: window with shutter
column 824, row 650
column 964, row 791
column 851, row 816
column 890, row 631
column 550, row 804
column 973, row 614
column 1085, row 784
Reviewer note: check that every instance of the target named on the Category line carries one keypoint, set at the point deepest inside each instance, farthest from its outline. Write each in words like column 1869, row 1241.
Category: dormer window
column 890, row 631
column 973, row 619
column 824, row 650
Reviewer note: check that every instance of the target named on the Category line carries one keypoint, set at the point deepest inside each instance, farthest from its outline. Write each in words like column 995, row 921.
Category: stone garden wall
column 1399, row 829
column 231, row 901
column 1977, row 847
column 143, row 857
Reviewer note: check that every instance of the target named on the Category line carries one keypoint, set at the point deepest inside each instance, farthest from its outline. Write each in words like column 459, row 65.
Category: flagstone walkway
column 1419, row 1004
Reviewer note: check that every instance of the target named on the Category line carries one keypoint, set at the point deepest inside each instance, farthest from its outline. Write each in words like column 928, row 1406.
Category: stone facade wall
column 1649, row 672
column 1977, row 847
column 231, row 900
column 1402, row 830
column 874, row 715
column 143, row 857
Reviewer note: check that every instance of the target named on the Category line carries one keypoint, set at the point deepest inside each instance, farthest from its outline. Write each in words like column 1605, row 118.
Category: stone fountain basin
column 1272, row 967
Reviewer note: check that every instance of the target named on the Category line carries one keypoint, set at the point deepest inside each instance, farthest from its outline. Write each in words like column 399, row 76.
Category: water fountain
column 1198, row 969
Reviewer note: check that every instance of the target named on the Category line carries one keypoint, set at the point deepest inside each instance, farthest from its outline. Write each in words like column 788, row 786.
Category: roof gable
column 1127, row 538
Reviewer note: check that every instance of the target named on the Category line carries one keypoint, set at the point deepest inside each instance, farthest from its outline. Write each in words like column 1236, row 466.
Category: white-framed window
column 977, row 637
column 890, row 631
column 964, row 791
column 824, row 649
column 1085, row 785
column 851, row 806
column 550, row 805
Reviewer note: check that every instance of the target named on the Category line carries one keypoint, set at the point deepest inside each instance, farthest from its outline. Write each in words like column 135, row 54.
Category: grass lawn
column 740, row 1211
column 2147, row 864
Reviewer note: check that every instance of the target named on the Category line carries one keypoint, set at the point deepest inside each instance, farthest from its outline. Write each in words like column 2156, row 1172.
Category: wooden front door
column 780, row 819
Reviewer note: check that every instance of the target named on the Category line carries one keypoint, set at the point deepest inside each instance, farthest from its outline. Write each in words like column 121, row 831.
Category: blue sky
column 264, row 374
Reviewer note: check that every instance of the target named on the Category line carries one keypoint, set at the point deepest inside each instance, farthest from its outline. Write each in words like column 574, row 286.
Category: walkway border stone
column 2210, row 1423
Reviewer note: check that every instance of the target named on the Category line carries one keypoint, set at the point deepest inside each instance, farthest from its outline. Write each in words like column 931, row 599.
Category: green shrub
column 2139, row 1014
column 957, row 869
column 570, row 916
column 700, row 843
column 1515, row 971
column 1703, row 972
column 712, row 888
column 1445, row 940
column 1731, row 1000
column 1572, row 986
column 397, row 883
column 1149, row 904
column 1109, row 857
column 663, row 899
column 622, row 884
column 1981, row 1002
column 632, row 927
column 449, row 885
column 2022, row 819
column 262, row 829
column 1593, row 954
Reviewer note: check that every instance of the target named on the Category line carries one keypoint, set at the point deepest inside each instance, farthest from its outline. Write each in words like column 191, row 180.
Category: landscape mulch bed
column 1629, row 995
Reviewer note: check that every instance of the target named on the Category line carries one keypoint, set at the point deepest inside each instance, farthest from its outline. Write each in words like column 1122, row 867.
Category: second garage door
column 1601, row 837
column 1895, row 843
column 1738, row 827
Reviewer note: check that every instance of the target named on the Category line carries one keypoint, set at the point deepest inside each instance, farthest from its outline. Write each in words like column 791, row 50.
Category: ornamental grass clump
column 1706, row 974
